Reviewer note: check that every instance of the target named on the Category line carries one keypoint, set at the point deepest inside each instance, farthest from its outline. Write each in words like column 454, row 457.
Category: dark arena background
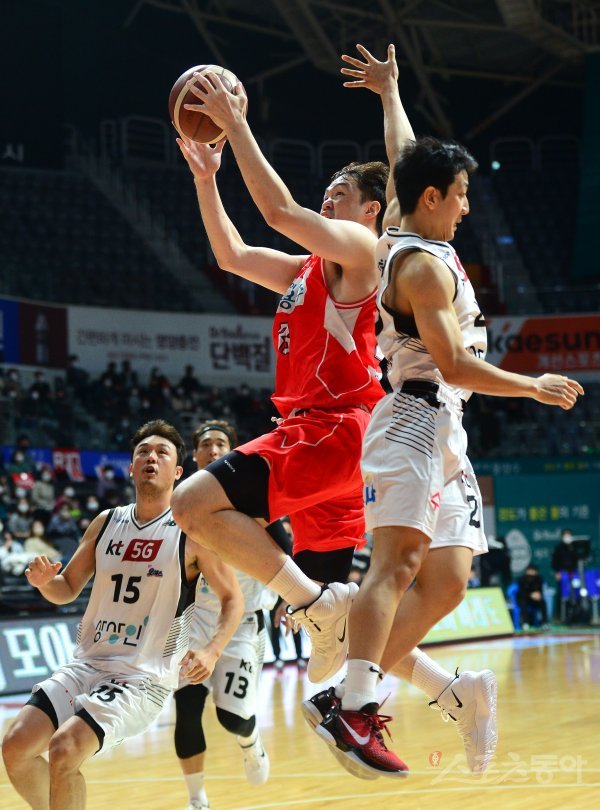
column 113, row 312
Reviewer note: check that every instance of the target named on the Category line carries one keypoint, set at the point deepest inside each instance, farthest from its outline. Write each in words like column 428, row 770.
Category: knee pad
column 189, row 734
column 236, row 724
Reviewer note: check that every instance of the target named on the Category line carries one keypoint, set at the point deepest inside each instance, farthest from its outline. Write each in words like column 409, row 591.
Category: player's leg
column 235, row 693
column 190, row 742
column 73, row 743
column 22, row 747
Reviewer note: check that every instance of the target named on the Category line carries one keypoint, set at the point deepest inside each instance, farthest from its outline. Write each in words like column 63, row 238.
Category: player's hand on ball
column 40, row 571
column 198, row 665
column 223, row 107
column 203, row 160
column 371, row 73
column 554, row 389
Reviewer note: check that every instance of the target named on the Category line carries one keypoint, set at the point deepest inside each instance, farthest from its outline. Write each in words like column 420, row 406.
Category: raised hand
column 218, row 103
column 203, row 160
column 41, row 571
column 371, row 73
column 554, row 389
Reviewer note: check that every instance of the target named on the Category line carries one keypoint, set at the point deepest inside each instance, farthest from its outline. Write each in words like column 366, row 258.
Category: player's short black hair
column 158, row 427
column 371, row 179
column 428, row 162
column 215, row 424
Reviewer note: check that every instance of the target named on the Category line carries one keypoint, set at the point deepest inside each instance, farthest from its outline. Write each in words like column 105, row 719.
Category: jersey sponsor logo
column 170, row 522
column 115, row 632
column 121, row 520
column 113, row 549
column 435, row 500
column 283, row 338
column 246, row 665
column 294, row 297
column 140, row 550
column 370, row 495
column 154, row 572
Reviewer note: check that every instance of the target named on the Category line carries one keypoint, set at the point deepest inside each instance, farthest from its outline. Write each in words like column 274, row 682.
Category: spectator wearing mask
column 530, row 599
column 106, row 484
column 37, row 543
column 63, row 532
column 13, row 559
column 43, row 495
column 564, row 558
column 19, row 522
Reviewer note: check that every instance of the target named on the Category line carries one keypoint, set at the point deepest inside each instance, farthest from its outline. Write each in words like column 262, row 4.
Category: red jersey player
column 326, row 383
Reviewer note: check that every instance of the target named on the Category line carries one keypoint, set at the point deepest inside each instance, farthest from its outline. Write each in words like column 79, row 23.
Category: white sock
column 195, row 786
column 361, row 684
column 430, row 677
column 246, row 742
column 294, row 586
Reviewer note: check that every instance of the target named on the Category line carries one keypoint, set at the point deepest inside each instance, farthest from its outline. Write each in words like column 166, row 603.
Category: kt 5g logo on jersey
column 135, row 550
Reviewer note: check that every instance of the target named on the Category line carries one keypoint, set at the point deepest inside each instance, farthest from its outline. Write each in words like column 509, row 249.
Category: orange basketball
column 196, row 125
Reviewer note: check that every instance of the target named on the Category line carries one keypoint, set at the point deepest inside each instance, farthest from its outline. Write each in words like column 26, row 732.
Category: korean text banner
column 222, row 348
column 560, row 344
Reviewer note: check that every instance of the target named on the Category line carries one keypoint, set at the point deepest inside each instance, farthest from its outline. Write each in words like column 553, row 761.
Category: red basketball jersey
column 326, row 351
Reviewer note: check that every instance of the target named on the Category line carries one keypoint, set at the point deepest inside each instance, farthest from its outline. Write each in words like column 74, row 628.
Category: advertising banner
column 482, row 613
column 223, row 349
column 565, row 343
column 532, row 511
column 31, row 649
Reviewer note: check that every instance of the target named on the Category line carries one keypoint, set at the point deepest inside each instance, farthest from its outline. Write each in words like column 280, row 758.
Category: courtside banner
column 32, row 649
column 483, row 612
column 555, row 344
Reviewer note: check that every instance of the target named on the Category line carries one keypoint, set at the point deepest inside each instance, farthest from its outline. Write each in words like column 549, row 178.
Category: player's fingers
column 360, row 74
column 353, row 84
column 353, row 61
column 362, row 50
column 574, row 384
column 193, row 87
column 391, row 51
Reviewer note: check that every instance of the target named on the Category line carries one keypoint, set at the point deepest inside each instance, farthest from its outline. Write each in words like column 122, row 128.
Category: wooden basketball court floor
column 547, row 756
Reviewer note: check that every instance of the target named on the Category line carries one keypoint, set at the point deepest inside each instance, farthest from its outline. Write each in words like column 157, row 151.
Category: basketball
column 195, row 125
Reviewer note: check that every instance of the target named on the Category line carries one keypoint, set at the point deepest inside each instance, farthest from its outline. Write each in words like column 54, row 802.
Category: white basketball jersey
column 256, row 595
column 397, row 333
column 138, row 616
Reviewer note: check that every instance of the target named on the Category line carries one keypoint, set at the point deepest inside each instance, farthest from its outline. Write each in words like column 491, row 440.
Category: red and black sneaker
column 318, row 706
column 358, row 737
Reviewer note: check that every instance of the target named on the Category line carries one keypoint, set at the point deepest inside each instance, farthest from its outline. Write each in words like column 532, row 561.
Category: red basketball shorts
column 315, row 478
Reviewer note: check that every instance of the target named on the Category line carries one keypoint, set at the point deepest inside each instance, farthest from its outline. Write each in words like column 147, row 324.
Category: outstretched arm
column 269, row 268
column 382, row 78
column 347, row 243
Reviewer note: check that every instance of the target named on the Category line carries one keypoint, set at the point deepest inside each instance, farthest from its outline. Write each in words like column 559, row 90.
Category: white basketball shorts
column 234, row 682
column 416, row 472
column 121, row 705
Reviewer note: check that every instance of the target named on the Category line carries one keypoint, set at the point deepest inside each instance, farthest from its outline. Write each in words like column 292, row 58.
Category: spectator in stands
column 20, row 462
column 12, row 386
column 19, row 522
column 530, row 599
column 37, row 543
column 127, row 377
column 63, row 532
column 91, row 507
column 40, row 386
column 4, row 496
column 133, row 401
column 495, row 565
column 13, row 559
column 564, row 558
column 77, row 378
column 67, row 497
column 106, row 484
column 189, row 383
column 43, row 495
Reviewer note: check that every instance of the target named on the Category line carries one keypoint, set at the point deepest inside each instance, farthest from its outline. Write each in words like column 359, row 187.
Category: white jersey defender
column 134, row 631
column 415, row 467
column 138, row 616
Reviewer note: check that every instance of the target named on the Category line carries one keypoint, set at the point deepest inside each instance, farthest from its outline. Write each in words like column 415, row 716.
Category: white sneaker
column 198, row 805
column 326, row 622
column 470, row 700
column 256, row 762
